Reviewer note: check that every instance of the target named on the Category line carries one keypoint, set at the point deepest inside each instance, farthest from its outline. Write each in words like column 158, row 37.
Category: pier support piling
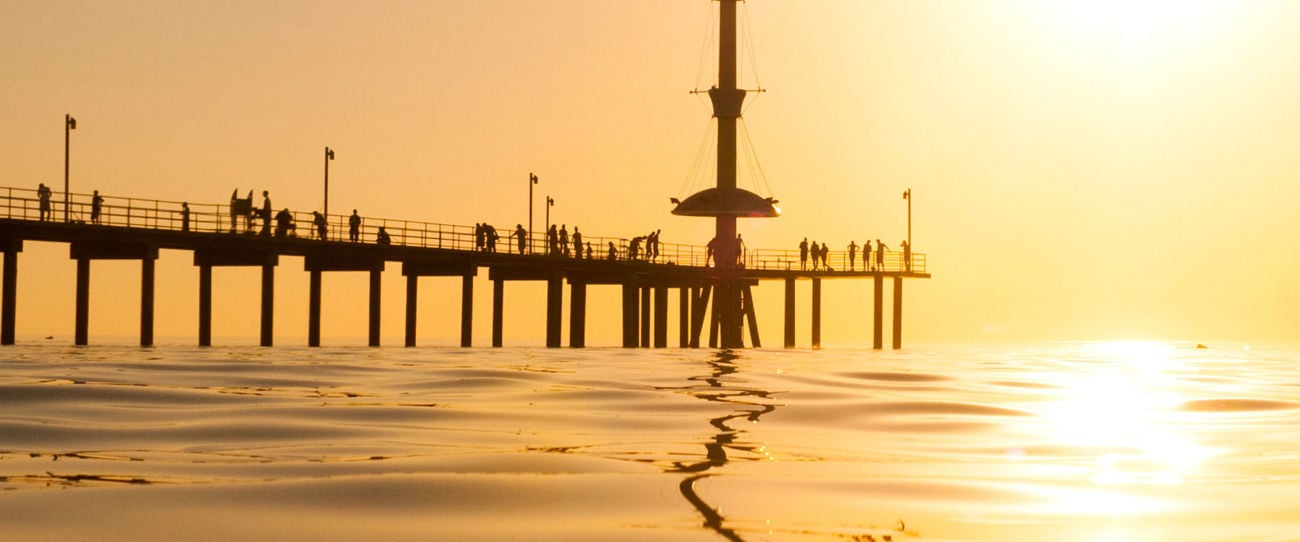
column 554, row 311
column 375, row 276
column 577, row 314
column 83, row 302
column 498, row 311
column 877, row 333
column 313, row 308
column 816, row 312
column 747, row 300
column 268, row 303
column 789, row 312
column 9, row 304
column 684, row 317
column 631, row 310
column 466, row 310
column 645, row 317
column 898, row 313
column 661, row 317
column 146, row 301
column 412, row 291
column 205, row 305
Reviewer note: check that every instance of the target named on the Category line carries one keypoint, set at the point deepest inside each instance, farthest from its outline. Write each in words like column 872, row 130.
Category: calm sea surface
column 1067, row 441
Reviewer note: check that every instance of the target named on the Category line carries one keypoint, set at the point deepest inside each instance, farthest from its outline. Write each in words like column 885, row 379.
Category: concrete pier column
column 684, row 317
column 205, row 305
column 751, row 319
column 630, row 311
column 83, row 302
column 375, row 276
column 661, row 317
column 9, row 304
column 699, row 308
column 498, row 311
column 554, row 311
column 789, row 312
column 268, row 303
column 715, row 316
column 877, row 334
column 466, row 310
column 577, row 314
column 898, row 313
column 146, row 301
column 313, row 308
column 645, row 317
column 816, row 312
column 412, row 289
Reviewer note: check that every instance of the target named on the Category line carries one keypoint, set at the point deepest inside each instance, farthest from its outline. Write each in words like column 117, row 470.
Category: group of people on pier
column 819, row 254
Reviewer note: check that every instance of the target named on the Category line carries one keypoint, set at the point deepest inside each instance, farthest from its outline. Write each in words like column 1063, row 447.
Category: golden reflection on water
column 1125, row 412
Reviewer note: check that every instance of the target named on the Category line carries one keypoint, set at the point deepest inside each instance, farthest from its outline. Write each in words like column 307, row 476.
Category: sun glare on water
column 1124, row 412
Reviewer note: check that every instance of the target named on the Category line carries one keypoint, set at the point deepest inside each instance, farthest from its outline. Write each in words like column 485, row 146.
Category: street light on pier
column 69, row 124
column 907, row 195
column 329, row 155
column 532, row 180
column 550, row 202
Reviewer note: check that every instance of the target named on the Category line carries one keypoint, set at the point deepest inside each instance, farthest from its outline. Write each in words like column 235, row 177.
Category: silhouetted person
column 612, row 254
column 866, row 255
column 552, row 240
column 96, row 206
column 381, row 238
column 653, row 245
column 813, row 252
column 490, row 237
column 577, row 243
column 803, row 254
column 480, row 241
column 711, row 252
column 880, row 255
column 634, row 248
column 266, row 212
column 740, row 251
column 589, row 253
column 564, row 241
column 853, row 251
column 318, row 220
column 824, row 252
column 185, row 216
column 522, row 234
column 43, row 194
column 283, row 222
column 354, row 227
column 907, row 256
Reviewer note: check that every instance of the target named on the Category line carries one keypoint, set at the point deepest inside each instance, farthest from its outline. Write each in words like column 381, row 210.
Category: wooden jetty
column 135, row 229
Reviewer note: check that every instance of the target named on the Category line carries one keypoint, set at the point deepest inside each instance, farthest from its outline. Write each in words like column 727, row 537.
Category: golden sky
column 1080, row 170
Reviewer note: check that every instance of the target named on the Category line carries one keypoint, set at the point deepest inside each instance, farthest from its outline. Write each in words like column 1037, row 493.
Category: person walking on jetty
column 266, row 213
column 318, row 220
column 185, row 216
column 803, row 254
column 43, row 194
column 354, row 227
column 96, row 207
column 813, row 252
column 612, row 253
column 564, row 241
column 853, row 251
column 740, row 251
column 577, row 243
column 880, row 255
column 712, row 249
column 825, row 251
column 522, row 236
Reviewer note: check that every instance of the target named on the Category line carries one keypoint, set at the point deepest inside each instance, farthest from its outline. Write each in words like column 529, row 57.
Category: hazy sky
column 1080, row 170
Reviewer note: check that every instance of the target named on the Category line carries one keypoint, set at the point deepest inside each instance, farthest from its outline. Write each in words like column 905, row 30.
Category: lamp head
column 532, row 178
column 329, row 153
column 72, row 123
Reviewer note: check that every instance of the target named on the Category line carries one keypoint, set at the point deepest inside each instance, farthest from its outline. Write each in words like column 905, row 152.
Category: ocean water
column 1046, row 441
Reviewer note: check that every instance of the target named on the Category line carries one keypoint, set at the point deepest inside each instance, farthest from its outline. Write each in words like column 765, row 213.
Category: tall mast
column 726, row 100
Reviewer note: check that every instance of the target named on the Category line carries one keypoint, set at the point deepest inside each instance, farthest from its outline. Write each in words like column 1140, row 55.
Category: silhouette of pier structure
column 136, row 229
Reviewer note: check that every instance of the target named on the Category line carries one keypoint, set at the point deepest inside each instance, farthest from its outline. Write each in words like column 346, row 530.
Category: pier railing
column 24, row 204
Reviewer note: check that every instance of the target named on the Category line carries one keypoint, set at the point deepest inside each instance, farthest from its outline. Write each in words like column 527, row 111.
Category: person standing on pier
column 589, row 250
column 577, row 243
column 354, row 227
column 43, row 193
column 740, row 251
column 381, row 238
column 612, row 254
column 866, row 255
column 318, row 220
column 907, row 255
column 853, row 251
column 552, row 240
column 880, row 255
column 803, row 254
column 185, row 216
column 266, row 213
column 564, row 241
column 522, row 235
column 283, row 223
column 96, row 206
column 823, row 252
column 813, row 250
column 490, row 233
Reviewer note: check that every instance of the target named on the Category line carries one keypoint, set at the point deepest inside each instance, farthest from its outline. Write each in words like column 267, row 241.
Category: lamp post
column 907, row 195
column 550, row 202
column 329, row 155
column 69, row 124
column 532, row 180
